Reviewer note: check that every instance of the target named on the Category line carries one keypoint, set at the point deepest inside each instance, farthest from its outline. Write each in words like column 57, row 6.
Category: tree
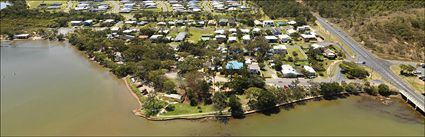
column 235, row 107
column 219, row 101
column 152, row 106
column 261, row 99
column 353, row 88
column 384, row 90
column 407, row 69
column 371, row 90
column 330, row 90
column 169, row 86
column 197, row 87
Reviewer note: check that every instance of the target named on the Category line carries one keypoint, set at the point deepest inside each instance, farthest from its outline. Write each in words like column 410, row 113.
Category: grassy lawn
column 183, row 108
column 195, row 34
column 413, row 81
column 266, row 74
column 298, row 51
column 35, row 3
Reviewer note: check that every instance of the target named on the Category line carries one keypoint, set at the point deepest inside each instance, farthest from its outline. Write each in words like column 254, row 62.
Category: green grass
column 266, row 74
column 35, row 4
column 183, row 108
column 196, row 34
column 300, row 55
column 413, row 81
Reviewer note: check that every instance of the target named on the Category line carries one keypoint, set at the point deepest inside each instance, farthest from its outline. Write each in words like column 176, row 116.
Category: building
column 212, row 23
column 288, row 71
column 88, row 23
column 22, row 36
column 220, row 31
column 223, row 22
column 246, row 39
column 254, row 68
column 76, row 23
column 329, row 54
column 180, row 37
column 284, row 38
column 220, row 38
column 280, row 49
column 232, row 39
column 292, row 22
column 234, row 65
column 310, row 72
column 258, row 23
column 308, row 37
column 271, row 39
column 321, row 45
column 268, row 23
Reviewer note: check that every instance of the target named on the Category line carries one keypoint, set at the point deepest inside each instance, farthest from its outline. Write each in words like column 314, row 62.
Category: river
column 50, row 88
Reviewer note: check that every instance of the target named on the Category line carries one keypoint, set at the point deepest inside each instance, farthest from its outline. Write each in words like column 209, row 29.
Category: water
column 49, row 88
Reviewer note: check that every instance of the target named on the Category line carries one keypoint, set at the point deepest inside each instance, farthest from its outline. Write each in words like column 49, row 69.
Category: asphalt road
column 376, row 64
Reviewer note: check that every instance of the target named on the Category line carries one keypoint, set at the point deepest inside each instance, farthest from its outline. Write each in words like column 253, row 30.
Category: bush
column 384, row 90
column 170, row 108
column 352, row 70
column 371, row 90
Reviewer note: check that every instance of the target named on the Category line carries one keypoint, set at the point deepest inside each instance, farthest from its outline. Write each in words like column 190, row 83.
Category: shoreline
column 214, row 114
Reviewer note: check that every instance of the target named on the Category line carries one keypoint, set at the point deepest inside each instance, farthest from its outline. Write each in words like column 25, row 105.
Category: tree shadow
column 269, row 112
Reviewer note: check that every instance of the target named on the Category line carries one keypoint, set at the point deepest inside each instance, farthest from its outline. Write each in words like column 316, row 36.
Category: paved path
column 377, row 64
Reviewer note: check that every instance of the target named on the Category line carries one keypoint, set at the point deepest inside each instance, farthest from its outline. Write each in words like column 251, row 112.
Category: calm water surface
column 49, row 88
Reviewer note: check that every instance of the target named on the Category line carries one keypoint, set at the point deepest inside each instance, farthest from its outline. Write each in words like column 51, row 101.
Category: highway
column 376, row 64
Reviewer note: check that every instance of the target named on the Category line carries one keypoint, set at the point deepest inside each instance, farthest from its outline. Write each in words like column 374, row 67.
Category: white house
column 258, row 23
column 288, row 71
column 246, row 39
column 232, row 39
column 280, row 49
column 271, row 39
column 310, row 71
column 220, row 31
column 245, row 31
column 292, row 22
column 284, row 38
column 268, row 23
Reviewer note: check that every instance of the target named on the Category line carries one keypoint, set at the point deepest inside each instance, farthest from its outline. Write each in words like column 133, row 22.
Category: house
column 143, row 37
column 329, row 54
column 233, row 39
column 303, row 28
column 258, row 23
column 180, row 23
column 234, row 65
column 220, row 31
column 233, row 30
column 142, row 23
column 163, row 31
column 88, row 22
column 310, row 72
column 180, row 37
column 161, row 24
column 175, row 97
column 288, row 71
column 271, row 39
column 284, row 38
column 223, row 22
column 200, row 24
column 109, row 21
column 206, row 37
column 268, row 23
column 131, row 22
column 254, row 68
column 321, row 45
column 292, row 22
column 245, row 31
column 280, row 49
column 171, row 23
column 22, row 36
column 221, row 38
column 246, row 39
column 76, row 23
column 308, row 37
column 290, row 31
column 155, row 37
column 114, row 29
column 212, row 23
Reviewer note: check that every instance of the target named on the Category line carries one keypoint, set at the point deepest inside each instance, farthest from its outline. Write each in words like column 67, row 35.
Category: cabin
column 245, row 31
column 246, row 39
column 212, row 23
column 175, row 97
column 268, row 23
column 88, row 23
column 329, row 54
column 220, row 31
column 284, row 38
column 234, row 65
column 180, row 37
column 232, row 39
column 309, row 72
column 292, row 22
column 223, row 22
column 254, row 68
column 280, row 49
column 22, row 36
column 271, row 39
column 288, row 71
column 76, row 23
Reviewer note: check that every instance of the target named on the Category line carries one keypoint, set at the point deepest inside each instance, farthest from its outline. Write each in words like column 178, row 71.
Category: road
column 376, row 64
